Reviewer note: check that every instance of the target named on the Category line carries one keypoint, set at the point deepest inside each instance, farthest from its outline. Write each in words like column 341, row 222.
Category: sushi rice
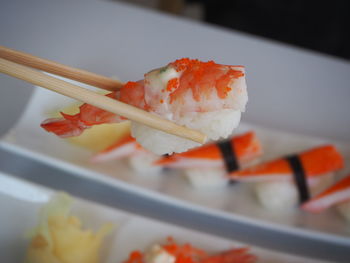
column 276, row 195
column 283, row 194
column 142, row 163
column 211, row 178
column 216, row 125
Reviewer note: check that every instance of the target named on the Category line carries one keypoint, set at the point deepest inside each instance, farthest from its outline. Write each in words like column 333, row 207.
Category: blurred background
column 321, row 26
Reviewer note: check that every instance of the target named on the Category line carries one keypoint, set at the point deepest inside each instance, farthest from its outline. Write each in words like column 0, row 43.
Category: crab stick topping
column 339, row 192
column 122, row 148
column 246, row 147
column 315, row 162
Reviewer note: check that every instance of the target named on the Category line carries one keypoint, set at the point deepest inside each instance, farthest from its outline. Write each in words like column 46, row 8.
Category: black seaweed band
column 299, row 177
column 229, row 155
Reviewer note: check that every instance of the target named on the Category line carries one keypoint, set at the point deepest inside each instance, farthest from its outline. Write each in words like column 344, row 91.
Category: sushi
column 207, row 166
column 281, row 183
column 337, row 195
column 205, row 96
column 138, row 158
column 213, row 156
column 228, row 154
column 173, row 252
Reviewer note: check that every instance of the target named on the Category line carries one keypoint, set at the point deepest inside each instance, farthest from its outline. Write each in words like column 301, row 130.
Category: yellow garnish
column 60, row 238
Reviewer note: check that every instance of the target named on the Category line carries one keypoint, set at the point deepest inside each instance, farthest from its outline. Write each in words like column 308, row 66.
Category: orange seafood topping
column 130, row 93
column 322, row 160
column 91, row 115
column 315, row 162
column 278, row 167
column 123, row 141
column 183, row 253
column 239, row 255
column 246, row 147
column 339, row 186
column 130, row 85
column 187, row 253
column 201, row 77
column 172, row 84
column 135, row 257
column 133, row 93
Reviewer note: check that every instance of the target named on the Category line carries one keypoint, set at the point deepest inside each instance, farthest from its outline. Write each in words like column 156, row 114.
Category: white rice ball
column 142, row 163
column 207, row 178
column 277, row 195
column 216, row 124
column 344, row 210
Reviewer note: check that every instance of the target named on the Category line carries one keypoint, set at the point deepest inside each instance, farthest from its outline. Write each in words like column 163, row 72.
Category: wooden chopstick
column 132, row 113
column 59, row 69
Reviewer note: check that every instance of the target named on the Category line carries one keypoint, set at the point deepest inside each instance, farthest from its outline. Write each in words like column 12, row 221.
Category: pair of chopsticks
column 19, row 65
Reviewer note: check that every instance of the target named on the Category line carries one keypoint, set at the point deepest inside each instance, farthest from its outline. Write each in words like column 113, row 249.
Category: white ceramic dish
column 23, row 200
column 236, row 203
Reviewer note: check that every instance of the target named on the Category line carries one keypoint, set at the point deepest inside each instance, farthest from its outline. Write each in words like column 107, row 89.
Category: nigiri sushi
column 139, row 159
column 205, row 96
column 337, row 195
column 207, row 166
column 283, row 181
column 227, row 154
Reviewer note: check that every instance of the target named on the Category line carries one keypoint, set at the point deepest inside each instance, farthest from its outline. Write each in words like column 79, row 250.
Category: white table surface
column 289, row 88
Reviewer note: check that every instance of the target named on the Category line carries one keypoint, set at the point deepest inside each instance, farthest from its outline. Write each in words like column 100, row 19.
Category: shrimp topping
column 201, row 76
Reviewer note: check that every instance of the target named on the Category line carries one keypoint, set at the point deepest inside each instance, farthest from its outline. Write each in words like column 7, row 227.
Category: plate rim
column 85, row 173
column 132, row 216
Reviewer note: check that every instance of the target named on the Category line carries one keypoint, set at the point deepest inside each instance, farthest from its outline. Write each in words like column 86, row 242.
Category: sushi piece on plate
column 207, row 166
column 172, row 252
column 128, row 148
column 281, row 183
column 337, row 195
column 205, row 96
column 239, row 150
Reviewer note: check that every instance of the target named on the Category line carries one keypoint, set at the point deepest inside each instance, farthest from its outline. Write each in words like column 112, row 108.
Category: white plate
column 22, row 201
column 236, row 203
